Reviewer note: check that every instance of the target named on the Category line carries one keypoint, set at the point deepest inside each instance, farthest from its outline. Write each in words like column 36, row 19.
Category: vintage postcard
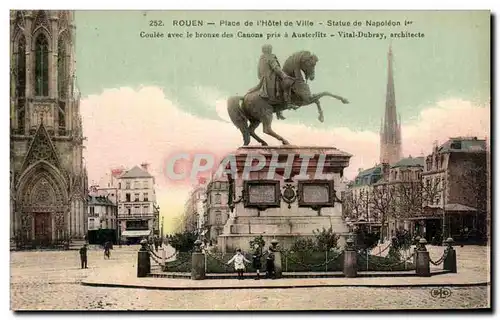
column 250, row 160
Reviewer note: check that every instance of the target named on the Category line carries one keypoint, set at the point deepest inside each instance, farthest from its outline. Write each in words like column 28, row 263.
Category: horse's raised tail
column 235, row 112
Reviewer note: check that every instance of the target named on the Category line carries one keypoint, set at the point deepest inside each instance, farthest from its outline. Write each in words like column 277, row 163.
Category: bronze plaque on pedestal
column 262, row 194
column 316, row 193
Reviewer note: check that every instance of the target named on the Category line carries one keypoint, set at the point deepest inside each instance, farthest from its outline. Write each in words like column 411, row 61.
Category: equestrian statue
column 278, row 89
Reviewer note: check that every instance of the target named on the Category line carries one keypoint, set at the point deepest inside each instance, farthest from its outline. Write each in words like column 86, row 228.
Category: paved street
column 51, row 281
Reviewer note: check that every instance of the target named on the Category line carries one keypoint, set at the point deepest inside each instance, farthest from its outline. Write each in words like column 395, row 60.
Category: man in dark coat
column 270, row 77
column 83, row 256
column 270, row 264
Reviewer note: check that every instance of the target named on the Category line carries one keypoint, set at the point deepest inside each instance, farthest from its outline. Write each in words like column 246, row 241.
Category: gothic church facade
column 48, row 178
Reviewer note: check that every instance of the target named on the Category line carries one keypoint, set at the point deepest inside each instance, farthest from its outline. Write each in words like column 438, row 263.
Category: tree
column 408, row 199
column 473, row 180
column 326, row 239
column 432, row 190
column 382, row 203
column 354, row 204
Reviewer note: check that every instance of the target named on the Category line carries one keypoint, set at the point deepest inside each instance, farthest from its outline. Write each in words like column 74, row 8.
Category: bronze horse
column 248, row 112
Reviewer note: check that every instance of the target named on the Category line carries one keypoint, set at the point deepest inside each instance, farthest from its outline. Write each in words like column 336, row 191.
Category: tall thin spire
column 390, row 148
column 390, row 100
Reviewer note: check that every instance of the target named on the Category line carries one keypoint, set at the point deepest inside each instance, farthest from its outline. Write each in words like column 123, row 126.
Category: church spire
column 390, row 100
column 390, row 147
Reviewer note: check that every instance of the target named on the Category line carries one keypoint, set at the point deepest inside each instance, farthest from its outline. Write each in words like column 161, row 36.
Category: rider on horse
column 271, row 79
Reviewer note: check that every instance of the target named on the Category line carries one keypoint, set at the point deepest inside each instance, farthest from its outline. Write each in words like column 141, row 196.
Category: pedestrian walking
column 239, row 263
column 270, row 272
column 107, row 248
column 256, row 260
column 157, row 243
column 83, row 256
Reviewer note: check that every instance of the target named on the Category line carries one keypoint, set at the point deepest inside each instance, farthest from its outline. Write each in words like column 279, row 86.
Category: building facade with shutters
column 48, row 176
column 138, row 212
column 217, row 208
column 456, row 172
column 102, row 213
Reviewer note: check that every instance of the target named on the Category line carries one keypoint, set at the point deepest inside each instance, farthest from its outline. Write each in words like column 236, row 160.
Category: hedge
column 291, row 262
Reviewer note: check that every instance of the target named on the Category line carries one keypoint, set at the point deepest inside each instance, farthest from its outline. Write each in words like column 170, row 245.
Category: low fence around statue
column 350, row 261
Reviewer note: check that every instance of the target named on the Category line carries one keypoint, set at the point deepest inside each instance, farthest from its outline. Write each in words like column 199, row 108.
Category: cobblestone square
column 50, row 280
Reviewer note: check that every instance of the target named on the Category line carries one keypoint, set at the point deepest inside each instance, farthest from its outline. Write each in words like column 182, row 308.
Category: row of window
column 137, row 210
column 434, row 161
column 41, row 81
column 41, row 76
column 106, row 210
column 406, row 175
column 219, row 185
column 136, row 185
column 137, row 198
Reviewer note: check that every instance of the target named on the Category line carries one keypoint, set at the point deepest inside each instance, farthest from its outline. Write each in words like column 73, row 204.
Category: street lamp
column 349, row 223
column 161, row 230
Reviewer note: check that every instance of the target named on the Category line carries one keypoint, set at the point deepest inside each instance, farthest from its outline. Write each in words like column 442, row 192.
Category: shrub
column 183, row 242
column 326, row 239
column 402, row 240
column 259, row 240
column 365, row 240
column 291, row 262
column 303, row 245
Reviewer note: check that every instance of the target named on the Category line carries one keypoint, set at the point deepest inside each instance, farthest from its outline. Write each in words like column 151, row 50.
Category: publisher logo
column 441, row 293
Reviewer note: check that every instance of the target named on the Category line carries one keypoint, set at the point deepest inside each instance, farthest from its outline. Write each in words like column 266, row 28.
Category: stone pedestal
column 450, row 261
column 143, row 261
column 198, row 266
column 295, row 191
column 422, row 265
column 350, row 259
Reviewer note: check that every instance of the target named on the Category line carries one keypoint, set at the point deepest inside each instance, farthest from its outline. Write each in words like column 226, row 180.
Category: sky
column 144, row 100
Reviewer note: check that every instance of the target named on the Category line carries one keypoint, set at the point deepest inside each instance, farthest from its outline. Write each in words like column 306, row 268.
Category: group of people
column 239, row 261
column 108, row 245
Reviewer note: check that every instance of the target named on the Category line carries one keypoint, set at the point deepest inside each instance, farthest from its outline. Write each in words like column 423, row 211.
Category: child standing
column 256, row 260
column 239, row 263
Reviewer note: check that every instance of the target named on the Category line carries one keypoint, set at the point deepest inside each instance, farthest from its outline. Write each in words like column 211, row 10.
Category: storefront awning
column 452, row 207
column 136, row 233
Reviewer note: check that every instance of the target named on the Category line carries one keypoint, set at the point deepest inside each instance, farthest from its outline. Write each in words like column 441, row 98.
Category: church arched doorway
column 42, row 206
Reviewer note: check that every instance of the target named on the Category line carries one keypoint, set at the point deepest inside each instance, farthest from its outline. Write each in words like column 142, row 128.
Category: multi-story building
column 138, row 213
column 200, row 195
column 189, row 216
column 194, row 217
column 217, row 208
column 102, row 215
column 456, row 178
column 398, row 195
column 385, row 197
column 108, row 185
column 357, row 206
column 49, row 179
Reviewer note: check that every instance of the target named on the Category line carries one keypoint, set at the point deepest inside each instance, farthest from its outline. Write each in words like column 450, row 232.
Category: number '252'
column 155, row 23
